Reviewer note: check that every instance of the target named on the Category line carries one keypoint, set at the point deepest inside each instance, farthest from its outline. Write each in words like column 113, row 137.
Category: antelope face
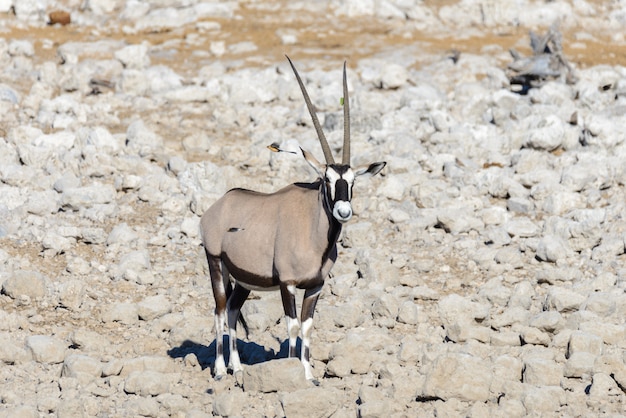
column 339, row 180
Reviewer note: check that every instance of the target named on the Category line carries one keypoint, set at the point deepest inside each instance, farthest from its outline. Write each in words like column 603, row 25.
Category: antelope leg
column 306, row 316
column 288, row 295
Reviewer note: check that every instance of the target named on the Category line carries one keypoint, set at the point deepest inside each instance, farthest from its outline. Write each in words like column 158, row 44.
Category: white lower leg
column 292, row 329
column 234, row 362
column 220, row 366
column 304, row 350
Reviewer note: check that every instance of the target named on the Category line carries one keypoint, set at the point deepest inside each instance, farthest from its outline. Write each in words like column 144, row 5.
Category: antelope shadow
column 249, row 352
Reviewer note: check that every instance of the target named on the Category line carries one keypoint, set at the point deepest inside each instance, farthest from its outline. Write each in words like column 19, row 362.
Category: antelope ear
column 371, row 169
column 317, row 166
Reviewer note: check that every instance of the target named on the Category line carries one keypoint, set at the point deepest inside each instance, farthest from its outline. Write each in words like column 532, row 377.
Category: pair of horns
column 346, row 119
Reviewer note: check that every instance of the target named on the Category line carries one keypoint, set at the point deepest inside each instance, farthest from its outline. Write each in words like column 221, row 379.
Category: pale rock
column 42, row 203
column 542, row 372
column 150, row 382
column 579, row 364
column 410, row 349
column 340, row 366
column 559, row 276
column 121, row 234
column 408, row 313
column 197, row 142
column 263, row 313
column 176, row 164
column 153, row 307
column 21, row 411
column 134, row 56
column 313, row 402
column 93, row 235
column 548, row 134
column 161, row 364
column 126, row 313
column 610, row 246
column 101, row 6
column 229, row 403
column 66, row 181
column 10, row 351
column 393, row 76
column 612, row 334
column 5, row 6
column 76, row 198
column 82, row 367
column 102, row 140
column 133, row 82
column 392, row 188
column 385, row 310
column 375, row 408
column 531, row 335
column 601, row 303
column 507, row 367
column 563, row 300
column 498, row 237
column 276, row 375
column 140, row 406
column 25, row 283
column 190, row 226
column 548, row 321
column 472, row 377
column 521, row 227
column 495, row 292
column 505, row 338
column 358, row 235
column 519, row 205
column 142, row 140
column 561, row 202
column 458, row 221
column 494, row 215
column 46, row 349
column 399, row 216
column 584, row 341
column 88, row 341
column 55, row 244
column 71, row 294
column 455, row 308
column 133, row 263
column 543, row 399
column 348, row 315
column 29, row 10
column 163, row 80
column 356, row 351
column 603, row 386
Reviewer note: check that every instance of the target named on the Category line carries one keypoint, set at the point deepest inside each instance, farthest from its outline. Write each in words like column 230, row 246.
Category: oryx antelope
column 285, row 240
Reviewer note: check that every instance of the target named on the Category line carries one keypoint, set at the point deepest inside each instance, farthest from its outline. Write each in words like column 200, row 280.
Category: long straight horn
column 346, row 119
column 320, row 134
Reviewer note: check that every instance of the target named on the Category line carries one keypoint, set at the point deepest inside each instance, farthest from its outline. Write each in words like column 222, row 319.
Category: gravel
column 483, row 272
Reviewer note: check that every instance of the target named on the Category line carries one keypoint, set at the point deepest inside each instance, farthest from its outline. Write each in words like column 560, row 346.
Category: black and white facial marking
column 339, row 180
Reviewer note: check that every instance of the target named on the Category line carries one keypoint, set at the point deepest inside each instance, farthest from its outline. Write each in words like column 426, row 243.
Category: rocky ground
column 482, row 275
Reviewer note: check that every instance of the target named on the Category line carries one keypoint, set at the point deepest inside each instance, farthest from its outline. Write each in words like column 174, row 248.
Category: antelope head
column 337, row 179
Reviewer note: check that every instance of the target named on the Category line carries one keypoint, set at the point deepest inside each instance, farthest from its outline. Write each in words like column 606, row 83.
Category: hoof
column 218, row 377
column 315, row 382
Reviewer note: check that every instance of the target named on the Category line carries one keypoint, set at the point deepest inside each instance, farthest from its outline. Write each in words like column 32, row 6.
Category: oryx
column 285, row 240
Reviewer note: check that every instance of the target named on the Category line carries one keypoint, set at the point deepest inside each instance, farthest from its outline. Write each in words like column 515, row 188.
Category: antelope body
column 284, row 240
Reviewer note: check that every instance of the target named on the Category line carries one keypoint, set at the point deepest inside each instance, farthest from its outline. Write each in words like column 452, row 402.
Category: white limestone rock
column 46, row 349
